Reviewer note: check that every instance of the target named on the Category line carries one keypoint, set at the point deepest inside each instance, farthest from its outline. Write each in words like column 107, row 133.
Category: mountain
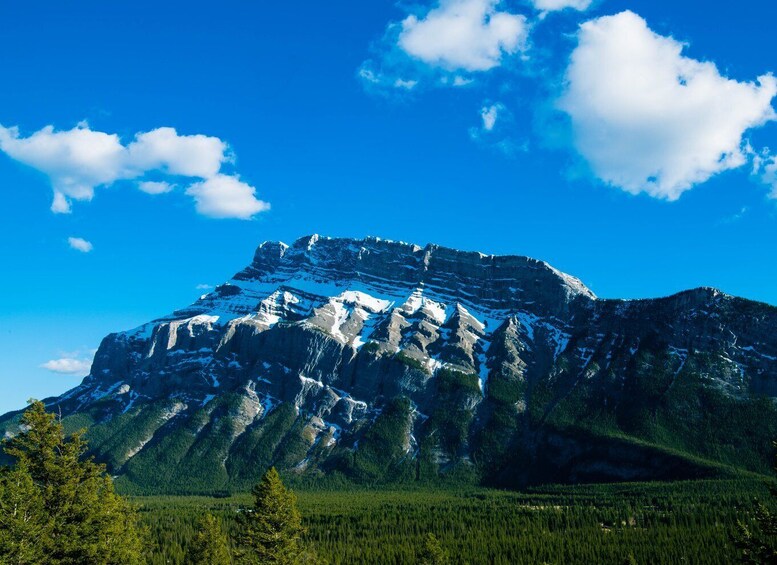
column 371, row 361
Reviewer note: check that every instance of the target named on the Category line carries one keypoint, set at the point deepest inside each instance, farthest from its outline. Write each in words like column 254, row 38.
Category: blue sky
column 631, row 152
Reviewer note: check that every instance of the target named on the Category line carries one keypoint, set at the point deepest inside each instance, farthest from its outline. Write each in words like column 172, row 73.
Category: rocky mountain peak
column 328, row 353
column 502, row 281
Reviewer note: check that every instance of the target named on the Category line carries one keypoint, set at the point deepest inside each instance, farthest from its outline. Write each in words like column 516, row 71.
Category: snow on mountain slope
column 361, row 356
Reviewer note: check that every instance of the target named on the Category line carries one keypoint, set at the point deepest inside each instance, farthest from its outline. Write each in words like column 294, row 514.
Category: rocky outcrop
column 316, row 353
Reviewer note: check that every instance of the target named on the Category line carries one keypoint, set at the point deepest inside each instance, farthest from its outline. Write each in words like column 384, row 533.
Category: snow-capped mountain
column 374, row 360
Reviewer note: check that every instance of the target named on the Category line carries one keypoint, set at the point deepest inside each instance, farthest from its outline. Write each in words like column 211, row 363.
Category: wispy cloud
column 80, row 244
column 79, row 160
column 648, row 119
column 733, row 218
column 155, row 187
column 765, row 169
column 497, row 129
column 68, row 366
column 556, row 5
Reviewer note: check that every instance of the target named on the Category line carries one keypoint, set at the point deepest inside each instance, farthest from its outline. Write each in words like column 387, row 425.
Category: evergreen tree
column 23, row 522
column 270, row 532
column 210, row 545
column 432, row 552
column 58, row 507
column 759, row 546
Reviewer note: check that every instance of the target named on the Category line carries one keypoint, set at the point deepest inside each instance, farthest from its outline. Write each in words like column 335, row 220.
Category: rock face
column 370, row 360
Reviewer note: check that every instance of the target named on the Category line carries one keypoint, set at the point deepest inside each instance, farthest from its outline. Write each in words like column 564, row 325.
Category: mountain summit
column 371, row 361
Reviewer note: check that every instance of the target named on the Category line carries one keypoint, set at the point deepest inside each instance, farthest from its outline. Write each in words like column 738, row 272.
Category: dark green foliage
column 210, row 545
column 371, row 347
column 411, row 362
column 383, row 447
column 505, row 390
column 197, row 452
column 112, row 440
column 661, row 400
column 683, row 522
column 57, row 507
column 169, row 455
column 294, row 446
column 493, row 445
column 270, row 532
column 255, row 451
column 453, row 382
column 432, row 552
column 23, row 519
column 758, row 542
column 448, row 426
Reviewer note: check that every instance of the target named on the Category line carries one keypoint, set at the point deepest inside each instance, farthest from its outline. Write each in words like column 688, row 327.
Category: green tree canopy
column 759, row 545
column 210, row 545
column 432, row 553
column 56, row 507
column 270, row 532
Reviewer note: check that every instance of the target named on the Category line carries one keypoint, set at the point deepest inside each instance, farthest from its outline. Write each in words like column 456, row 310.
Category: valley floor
column 683, row 522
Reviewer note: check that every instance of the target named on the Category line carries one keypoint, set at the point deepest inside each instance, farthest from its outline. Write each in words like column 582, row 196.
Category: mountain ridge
column 371, row 359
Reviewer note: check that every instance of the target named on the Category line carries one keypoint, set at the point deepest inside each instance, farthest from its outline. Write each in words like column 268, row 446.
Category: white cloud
column 204, row 286
column 79, row 160
column 555, row 5
column 497, row 130
column 68, row 366
column 155, row 187
column 461, row 81
column 80, row 244
column 470, row 35
column 225, row 196
column 185, row 155
column 76, row 161
column 765, row 168
column 489, row 114
column 445, row 45
column 406, row 84
column 648, row 119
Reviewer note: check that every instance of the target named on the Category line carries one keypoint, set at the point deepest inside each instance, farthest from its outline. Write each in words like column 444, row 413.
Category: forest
column 682, row 522
column 57, row 506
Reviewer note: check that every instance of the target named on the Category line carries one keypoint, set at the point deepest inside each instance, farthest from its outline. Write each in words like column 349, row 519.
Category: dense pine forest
column 59, row 507
column 684, row 522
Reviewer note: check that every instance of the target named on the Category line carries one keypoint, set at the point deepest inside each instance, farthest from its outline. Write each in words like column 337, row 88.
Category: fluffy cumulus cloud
column 223, row 196
column 555, row 5
column 79, row 160
column 80, row 244
column 186, row 155
column 448, row 42
column 470, row 35
column 648, row 119
column 68, row 366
